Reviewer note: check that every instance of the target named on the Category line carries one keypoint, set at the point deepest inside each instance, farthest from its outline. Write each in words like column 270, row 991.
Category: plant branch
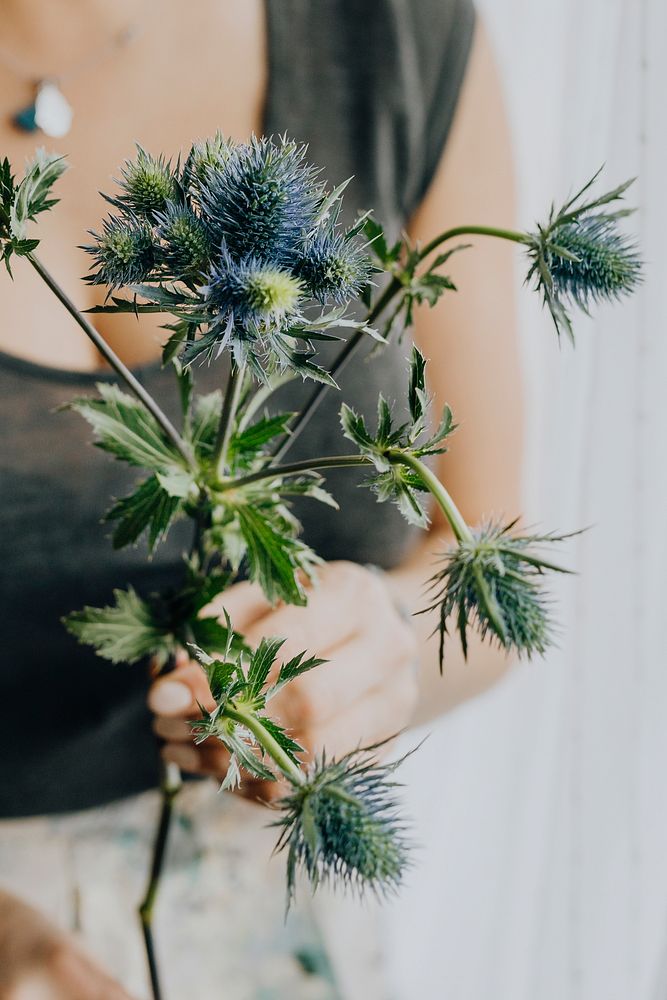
column 170, row 787
column 267, row 742
column 442, row 497
column 114, row 361
column 229, row 407
column 307, row 465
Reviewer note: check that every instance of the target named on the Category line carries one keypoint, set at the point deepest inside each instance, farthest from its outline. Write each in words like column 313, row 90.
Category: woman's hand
column 365, row 693
column 40, row 962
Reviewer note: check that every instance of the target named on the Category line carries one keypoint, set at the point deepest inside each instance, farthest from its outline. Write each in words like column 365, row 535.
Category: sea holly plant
column 241, row 249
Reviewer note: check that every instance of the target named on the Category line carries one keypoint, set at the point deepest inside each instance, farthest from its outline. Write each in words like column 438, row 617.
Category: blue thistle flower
column 581, row 256
column 342, row 824
column 262, row 199
column 124, row 254
column 186, row 249
column 147, row 184
column 493, row 582
column 250, row 298
column 332, row 267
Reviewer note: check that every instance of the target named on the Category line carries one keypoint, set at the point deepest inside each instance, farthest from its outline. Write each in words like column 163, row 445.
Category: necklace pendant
column 50, row 112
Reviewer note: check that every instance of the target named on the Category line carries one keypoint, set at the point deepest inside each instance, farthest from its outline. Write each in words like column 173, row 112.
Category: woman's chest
column 172, row 86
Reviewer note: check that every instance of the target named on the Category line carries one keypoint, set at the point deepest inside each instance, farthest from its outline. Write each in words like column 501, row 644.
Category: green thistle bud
column 332, row 267
column 187, row 248
column 581, row 257
column 147, row 184
column 342, row 823
column 123, row 254
column 493, row 582
column 210, row 154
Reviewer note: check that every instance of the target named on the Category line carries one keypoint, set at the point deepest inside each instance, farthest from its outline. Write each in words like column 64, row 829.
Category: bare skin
column 370, row 689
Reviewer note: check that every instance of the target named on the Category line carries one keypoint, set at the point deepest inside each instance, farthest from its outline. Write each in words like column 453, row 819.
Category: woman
column 403, row 95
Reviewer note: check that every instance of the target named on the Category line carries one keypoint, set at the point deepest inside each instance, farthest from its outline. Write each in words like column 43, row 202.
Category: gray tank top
column 372, row 86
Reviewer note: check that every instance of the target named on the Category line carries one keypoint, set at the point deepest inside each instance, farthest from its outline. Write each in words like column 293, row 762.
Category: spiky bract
column 186, row 246
column 581, row 256
column 342, row 824
column 124, row 253
column 332, row 267
column 494, row 583
column 147, row 184
column 209, row 154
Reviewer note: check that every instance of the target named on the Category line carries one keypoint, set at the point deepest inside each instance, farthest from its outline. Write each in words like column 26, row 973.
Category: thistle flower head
column 253, row 297
column 342, row 824
column 493, row 581
column 262, row 199
column 581, row 256
column 124, row 253
column 332, row 267
column 186, row 248
column 209, row 154
column 147, row 184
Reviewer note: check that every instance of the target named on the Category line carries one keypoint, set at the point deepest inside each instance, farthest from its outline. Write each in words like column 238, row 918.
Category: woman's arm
column 470, row 337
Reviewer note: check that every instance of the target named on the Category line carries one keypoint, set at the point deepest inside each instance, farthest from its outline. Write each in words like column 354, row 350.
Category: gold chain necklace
column 49, row 111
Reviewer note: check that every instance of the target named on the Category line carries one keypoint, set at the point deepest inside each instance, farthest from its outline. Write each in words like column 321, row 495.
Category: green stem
column 501, row 234
column 114, row 361
column 170, row 787
column 307, row 465
column 267, row 742
column 438, row 491
column 229, row 407
column 354, row 343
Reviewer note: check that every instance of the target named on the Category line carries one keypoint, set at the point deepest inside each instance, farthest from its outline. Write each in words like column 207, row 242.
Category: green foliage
column 341, row 826
column 494, row 582
column 149, row 508
column 124, row 632
column 22, row 203
column 239, row 683
column 393, row 481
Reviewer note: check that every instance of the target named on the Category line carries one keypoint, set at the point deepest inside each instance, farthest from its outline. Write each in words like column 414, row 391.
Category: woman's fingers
column 381, row 714
column 180, row 692
column 356, row 667
column 244, row 603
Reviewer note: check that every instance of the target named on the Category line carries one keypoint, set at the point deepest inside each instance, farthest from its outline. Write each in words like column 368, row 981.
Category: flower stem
column 442, row 497
column 170, row 787
column 229, row 407
column 353, row 344
column 114, row 361
column 267, row 742
column 501, row 234
column 307, row 465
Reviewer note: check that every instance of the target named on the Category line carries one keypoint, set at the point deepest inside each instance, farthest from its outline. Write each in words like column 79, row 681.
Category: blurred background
column 544, row 871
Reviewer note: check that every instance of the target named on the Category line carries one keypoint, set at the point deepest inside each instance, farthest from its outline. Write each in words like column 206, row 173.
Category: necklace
column 49, row 111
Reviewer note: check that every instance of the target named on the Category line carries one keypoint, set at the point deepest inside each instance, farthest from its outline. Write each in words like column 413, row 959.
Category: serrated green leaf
column 32, row 194
column 150, row 508
column 293, row 668
column 125, row 428
column 275, row 556
column 261, row 662
column 123, row 632
column 282, row 738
